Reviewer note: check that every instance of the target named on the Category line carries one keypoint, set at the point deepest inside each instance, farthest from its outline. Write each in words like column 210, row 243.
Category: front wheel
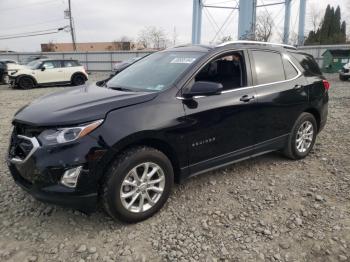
column 26, row 83
column 302, row 138
column 137, row 184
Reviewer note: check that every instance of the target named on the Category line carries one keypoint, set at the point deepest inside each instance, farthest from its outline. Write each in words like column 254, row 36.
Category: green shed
column 335, row 59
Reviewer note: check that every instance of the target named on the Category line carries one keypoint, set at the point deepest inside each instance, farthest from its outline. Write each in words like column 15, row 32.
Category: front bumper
column 40, row 172
column 56, row 194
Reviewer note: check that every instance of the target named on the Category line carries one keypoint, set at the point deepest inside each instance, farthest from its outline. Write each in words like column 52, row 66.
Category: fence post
column 86, row 61
column 111, row 56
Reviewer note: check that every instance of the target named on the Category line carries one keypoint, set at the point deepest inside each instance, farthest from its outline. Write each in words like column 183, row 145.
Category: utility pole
column 71, row 26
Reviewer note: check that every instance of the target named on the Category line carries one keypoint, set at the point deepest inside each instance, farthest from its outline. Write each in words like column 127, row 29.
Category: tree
column 263, row 28
column 331, row 31
column 225, row 39
column 314, row 17
column 153, row 37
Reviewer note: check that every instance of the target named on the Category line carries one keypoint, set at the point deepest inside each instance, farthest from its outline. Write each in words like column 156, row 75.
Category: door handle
column 246, row 98
column 298, row 87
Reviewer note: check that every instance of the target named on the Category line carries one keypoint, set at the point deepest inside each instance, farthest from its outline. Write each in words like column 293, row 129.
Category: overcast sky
column 108, row 20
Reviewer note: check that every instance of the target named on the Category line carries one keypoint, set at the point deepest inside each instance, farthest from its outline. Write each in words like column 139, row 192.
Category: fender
column 78, row 73
column 19, row 76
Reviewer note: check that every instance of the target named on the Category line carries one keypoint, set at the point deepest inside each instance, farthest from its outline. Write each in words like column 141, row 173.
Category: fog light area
column 70, row 177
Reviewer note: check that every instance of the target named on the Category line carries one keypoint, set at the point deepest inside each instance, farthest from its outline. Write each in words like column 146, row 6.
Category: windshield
column 34, row 64
column 155, row 72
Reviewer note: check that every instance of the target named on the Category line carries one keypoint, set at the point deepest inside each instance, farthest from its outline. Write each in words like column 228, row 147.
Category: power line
column 13, row 37
column 32, row 32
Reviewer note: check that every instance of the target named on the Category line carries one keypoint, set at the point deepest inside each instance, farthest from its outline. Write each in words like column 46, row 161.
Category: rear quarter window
column 308, row 63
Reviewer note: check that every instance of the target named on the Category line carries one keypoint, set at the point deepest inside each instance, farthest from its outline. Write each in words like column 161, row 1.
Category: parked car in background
column 118, row 67
column 344, row 73
column 45, row 72
column 3, row 69
column 174, row 114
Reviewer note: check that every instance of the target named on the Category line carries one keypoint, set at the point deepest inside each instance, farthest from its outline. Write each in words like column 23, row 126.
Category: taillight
column 326, row 84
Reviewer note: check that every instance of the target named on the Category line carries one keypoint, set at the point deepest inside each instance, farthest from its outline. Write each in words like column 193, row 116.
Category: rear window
column 70, row 63
column 308, row 63
column 268, row 67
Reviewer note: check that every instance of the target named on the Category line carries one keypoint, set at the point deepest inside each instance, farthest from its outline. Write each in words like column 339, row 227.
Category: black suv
column 172, row 115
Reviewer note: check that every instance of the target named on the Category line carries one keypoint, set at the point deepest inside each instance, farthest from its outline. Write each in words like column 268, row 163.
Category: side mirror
column 203, row 88
column 43, row 68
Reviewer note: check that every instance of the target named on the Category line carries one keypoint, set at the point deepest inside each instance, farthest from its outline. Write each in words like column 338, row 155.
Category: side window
column 289, row 69
column 52, row 64
column 268, row 67
column 68, row 63
column 308, row 63
column 229, row 70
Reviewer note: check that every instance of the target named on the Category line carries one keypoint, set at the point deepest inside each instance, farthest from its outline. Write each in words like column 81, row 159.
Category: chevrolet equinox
column 171, row 115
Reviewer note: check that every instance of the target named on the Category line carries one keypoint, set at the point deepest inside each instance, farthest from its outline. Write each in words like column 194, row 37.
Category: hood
column 13, row 67
column 78, row 105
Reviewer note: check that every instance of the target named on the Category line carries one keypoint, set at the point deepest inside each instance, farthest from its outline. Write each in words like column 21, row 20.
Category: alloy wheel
column 304, row 138
column 142, row 187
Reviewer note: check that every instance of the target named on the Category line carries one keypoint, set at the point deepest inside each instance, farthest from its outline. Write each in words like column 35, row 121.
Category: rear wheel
column 302, row 137
column 78, row 80
column 343, row 78
column 137, row 184
column 26, row 82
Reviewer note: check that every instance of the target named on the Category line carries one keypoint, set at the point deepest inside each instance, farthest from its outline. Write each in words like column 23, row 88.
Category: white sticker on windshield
column 182, row 60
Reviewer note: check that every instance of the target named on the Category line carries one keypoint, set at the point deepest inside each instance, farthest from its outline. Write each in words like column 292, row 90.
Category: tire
column 304, row 121
column 26, row 82
column 342, row 78
column 120, row 181
column 78, row 80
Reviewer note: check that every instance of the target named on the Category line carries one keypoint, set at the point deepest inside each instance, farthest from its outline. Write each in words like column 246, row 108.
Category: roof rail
column 248, row 42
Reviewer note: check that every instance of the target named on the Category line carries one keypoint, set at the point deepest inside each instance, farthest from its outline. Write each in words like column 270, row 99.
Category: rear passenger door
column 281, row 96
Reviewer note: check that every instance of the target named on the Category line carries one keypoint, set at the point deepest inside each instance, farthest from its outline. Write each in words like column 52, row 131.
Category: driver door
column 50, row 72
column 221, row 127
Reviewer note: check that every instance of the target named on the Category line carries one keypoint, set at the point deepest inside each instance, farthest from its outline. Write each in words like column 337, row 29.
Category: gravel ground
column 265, row 209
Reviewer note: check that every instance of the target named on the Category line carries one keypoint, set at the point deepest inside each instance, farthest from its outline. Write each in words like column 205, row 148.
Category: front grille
column 345, row 70
column 20, row 147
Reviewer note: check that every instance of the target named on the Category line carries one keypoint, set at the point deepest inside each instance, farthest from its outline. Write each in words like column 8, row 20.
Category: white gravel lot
column 265, row 209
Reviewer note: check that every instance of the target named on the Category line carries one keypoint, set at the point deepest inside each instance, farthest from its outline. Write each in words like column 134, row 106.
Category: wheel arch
column 25, row 75
column 78, row 73
column 317, row 116
column 155, row 142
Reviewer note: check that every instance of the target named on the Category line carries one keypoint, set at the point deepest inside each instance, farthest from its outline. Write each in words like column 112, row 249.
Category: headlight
column 65, row 135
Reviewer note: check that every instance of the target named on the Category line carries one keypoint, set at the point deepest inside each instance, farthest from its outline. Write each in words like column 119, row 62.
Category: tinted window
column 228, row 70
column 51, row 64
column 268, row 67
column 70, row 63
column 290, row 70
column 308, row 63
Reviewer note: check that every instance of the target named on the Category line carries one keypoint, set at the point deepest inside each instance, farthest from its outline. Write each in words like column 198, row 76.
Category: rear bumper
column 56, row 194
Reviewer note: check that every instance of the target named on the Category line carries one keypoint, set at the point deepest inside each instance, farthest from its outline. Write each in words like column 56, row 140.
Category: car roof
column 240, row 44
